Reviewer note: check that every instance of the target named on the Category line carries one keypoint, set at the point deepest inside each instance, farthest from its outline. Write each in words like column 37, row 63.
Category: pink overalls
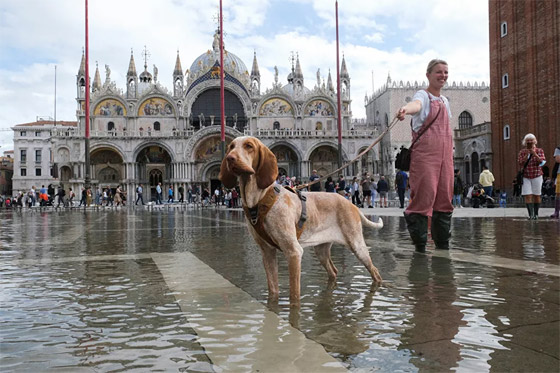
column 431, row 166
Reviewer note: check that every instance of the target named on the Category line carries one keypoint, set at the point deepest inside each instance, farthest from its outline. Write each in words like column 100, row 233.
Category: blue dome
column 233, row 64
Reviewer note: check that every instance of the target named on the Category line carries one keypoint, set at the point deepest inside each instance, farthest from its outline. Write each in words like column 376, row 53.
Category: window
column 157, row 126
column 23, row 155
column 506, row 132
column 37, row 133
column 505, row 80
column 23, row 172
column 503, row 29
column 110, row 126
column 37, row 172
column 38, row 156
column 465, row 120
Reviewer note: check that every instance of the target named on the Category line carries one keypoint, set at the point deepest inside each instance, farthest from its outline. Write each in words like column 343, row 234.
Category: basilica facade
column 147, row 133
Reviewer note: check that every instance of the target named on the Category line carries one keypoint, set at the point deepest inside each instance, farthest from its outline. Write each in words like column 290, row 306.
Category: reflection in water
column 431, row 314
column 108, row 315
column 435, row 319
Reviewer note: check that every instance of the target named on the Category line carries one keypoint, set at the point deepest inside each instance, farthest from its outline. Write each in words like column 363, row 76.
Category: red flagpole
column 222, row 105
column 339, row 119
column 87, row 73
column 87, row 160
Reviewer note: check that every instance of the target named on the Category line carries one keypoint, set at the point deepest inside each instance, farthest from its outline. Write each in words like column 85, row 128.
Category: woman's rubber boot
column 556, row 214
column 418, row 228
column 441, row 229
column 536, row 210
column 531, row 210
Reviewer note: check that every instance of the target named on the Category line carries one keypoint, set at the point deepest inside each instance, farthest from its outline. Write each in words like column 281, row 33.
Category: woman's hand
column 401, row 113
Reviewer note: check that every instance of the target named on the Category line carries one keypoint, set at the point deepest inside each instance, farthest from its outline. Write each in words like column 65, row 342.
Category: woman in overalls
column 431, row 167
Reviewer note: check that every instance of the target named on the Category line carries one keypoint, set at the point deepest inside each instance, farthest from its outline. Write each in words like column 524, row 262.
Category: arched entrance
column 155, row 177
column 206, row 110
column 154, row 166
column 324, row 159
column 288, row 162
column 107, row 165
column 208, row 158
column 65, row 174
column 212, row 176
column 475, row 167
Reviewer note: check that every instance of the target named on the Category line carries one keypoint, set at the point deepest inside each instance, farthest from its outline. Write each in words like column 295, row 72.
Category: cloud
column 382, row 36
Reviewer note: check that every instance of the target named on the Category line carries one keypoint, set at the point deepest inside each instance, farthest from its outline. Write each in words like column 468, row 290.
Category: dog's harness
column 257, row 214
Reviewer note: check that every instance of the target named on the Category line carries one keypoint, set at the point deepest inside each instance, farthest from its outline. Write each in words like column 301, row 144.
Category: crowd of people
column 66, row 197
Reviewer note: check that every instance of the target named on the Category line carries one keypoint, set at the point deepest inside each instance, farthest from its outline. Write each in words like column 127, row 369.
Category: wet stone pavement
column 185, row 290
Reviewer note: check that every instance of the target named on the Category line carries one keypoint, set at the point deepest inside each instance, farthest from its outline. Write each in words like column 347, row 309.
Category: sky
column 377, row 38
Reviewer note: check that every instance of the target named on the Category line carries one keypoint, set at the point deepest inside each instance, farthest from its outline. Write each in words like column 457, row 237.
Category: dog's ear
column 267, row 169
column 226, row 176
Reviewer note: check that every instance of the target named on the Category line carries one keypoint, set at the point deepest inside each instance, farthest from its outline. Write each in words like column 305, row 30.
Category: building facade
column 147, row 133
column 33, row 153
column 6, row 173
column 470, row 107
column 525, row 80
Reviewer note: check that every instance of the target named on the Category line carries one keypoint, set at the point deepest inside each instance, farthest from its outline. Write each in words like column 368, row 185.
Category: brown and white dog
column 330, row 217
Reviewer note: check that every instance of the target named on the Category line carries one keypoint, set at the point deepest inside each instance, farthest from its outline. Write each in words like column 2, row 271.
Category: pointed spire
column 82, row 70
column 255, row 69
column 343, row 69
column 298, row 73
column 178, row 69
column 329, row 82
column 131, row 65
column 97, row 80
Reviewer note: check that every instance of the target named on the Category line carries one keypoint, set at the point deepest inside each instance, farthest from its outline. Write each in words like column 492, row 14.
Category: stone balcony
column 260, row 133
column 475, row 130
column 307, row 134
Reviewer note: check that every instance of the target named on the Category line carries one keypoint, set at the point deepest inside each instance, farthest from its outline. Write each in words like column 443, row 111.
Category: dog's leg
column 359, row 248
column 323, row 252
column 293, row 256
column 271, row 269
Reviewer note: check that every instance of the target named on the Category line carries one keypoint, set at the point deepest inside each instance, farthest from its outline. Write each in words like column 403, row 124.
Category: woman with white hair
column 531, row 159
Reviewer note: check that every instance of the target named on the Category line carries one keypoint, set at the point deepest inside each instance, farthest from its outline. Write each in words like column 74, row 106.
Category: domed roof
column 289, row 90
column 233, row 64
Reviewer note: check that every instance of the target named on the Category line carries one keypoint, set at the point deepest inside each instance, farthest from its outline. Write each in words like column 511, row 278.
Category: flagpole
column 222, row 105
column 55, row 95
column 339, row 119
column 87, row 178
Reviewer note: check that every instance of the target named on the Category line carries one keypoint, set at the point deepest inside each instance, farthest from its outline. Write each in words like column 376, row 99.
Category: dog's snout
column 231, row 157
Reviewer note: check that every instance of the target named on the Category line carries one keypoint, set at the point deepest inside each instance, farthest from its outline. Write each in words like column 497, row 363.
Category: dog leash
column 377, row 140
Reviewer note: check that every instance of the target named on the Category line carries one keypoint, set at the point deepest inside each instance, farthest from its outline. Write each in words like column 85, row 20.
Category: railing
column 300, row 133
column 126, row 134
column 261, row 133
column 474, row 130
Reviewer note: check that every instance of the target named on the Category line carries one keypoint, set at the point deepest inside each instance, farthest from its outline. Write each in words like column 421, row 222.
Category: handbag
column 519, row 177
column 404, row 157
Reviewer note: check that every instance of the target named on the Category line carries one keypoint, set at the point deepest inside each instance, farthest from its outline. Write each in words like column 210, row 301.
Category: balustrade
column 301, row 133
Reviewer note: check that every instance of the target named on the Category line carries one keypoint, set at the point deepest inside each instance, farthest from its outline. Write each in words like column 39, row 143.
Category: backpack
column 399, row 179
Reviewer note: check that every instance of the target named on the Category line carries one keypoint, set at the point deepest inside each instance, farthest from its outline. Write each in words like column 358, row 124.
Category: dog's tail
column 371, row 224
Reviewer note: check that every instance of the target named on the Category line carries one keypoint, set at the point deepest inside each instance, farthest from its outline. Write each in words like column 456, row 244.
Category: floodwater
column 88, row 291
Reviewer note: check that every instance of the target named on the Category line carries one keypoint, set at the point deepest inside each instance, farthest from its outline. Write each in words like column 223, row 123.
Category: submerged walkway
column 180, row 288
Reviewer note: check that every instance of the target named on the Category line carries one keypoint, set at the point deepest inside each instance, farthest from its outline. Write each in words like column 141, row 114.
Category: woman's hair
column 433, row 63
column 527, row 137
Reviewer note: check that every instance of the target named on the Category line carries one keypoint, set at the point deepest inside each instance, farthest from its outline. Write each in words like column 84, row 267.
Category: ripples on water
column 113, row 316
column 431, row 314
